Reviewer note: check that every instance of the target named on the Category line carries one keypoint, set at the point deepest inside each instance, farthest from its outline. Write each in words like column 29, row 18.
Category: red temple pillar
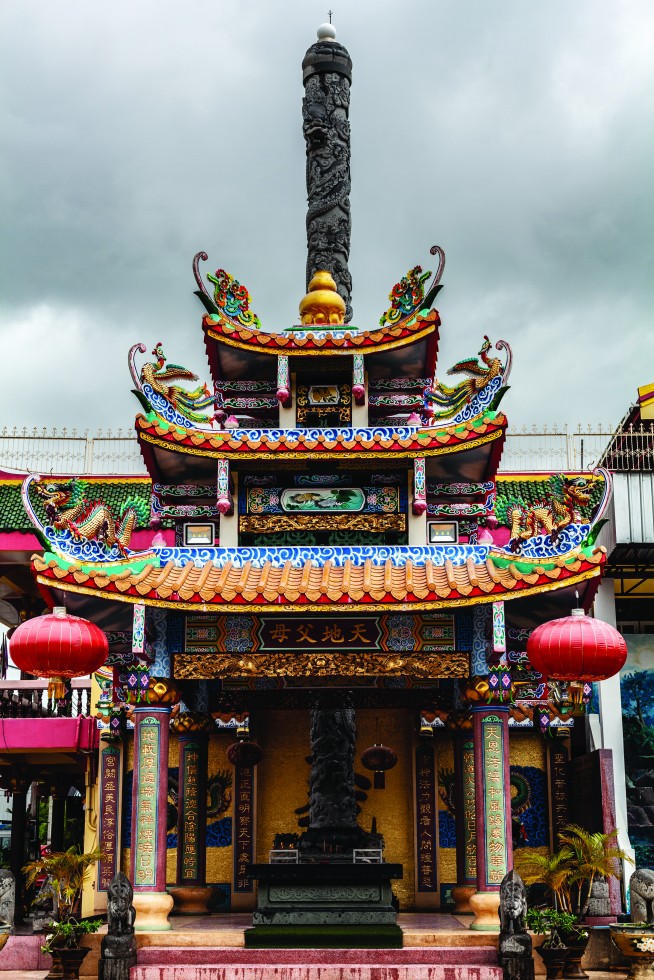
column 466, row 836
column 494, row 843
column 149, row 807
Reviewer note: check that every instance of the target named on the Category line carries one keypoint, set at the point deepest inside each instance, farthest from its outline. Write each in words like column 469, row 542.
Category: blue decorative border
column 378, row 555
column 542, row 546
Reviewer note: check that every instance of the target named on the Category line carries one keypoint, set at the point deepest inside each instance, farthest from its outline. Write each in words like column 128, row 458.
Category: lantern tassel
column 379, row 779
column 57, row 688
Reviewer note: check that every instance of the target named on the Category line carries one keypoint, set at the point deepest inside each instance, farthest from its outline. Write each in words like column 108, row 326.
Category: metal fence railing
column 68, row 452
column 532, row 448
column 29, row 699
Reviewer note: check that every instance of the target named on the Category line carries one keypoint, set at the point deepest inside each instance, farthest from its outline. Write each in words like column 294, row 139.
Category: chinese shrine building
column 318, row 604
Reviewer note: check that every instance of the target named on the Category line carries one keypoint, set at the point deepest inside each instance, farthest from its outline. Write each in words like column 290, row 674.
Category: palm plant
column 570, row 872
column 592, row 856
column 66, row 873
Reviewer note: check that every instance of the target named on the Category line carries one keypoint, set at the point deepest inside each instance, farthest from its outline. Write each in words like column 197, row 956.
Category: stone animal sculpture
column 7, row 896
column 514, row 949
column 118, row 947
column 120, row 911
column 67, row 508
column 641, row 892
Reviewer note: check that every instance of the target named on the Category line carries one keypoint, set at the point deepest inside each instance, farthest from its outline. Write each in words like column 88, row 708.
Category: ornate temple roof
column 333, row 340
column 289, row 579
column 402, row 441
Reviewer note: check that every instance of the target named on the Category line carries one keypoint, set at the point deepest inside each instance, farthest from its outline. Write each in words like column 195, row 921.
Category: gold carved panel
column 274, row 523
column 202, row 666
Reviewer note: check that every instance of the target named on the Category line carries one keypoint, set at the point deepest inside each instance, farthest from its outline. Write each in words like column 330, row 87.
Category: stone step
column 224, row 956
column 350, row 969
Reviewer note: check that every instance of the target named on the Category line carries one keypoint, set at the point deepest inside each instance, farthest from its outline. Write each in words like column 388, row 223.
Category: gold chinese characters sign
column 190, row 837
column 386, row 633
column 469, row 824
column 320, row 646
column 109, row 810
column 426, row 834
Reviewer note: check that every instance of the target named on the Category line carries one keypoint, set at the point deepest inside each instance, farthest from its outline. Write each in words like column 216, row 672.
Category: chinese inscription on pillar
column 190, row 808
column 494, row 802
column 244, row 826
column 109, row 810
column 147, row 803
column 468, row 822
column 426, row 818
column 558, row 789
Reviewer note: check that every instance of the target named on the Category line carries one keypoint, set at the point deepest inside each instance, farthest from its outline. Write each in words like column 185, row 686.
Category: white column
column 611, row 725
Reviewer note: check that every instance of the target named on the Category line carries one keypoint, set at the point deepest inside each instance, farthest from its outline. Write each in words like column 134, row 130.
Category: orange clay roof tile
column 313, row 583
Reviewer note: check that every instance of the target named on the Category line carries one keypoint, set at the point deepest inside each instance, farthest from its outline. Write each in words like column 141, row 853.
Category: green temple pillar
column 149, row 806
column 466, row 835
column 190, row 893
column 494, row 845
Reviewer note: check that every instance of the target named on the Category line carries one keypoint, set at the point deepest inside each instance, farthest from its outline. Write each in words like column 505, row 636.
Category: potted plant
column 569, row 874
column 65, row 873
column 552, row 951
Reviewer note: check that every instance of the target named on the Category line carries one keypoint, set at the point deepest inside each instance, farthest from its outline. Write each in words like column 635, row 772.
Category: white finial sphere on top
column 326, row 32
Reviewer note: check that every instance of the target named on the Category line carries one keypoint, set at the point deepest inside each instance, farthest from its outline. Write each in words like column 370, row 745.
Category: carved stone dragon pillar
column 327, row 75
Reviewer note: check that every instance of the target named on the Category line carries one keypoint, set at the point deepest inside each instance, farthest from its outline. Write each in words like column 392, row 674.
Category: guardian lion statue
column 641, row 893
column 120, row 911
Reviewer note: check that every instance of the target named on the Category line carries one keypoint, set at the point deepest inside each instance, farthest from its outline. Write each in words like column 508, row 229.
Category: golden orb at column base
column 461, row 895
column 485, row 907
column 152, row 911
column 322, row 306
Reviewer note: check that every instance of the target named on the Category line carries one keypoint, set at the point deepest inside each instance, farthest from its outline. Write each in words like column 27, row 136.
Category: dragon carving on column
column 327, row 74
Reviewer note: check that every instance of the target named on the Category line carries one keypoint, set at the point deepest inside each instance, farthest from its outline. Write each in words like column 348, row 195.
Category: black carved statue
column 332, row 787
column 327, row 75
column 514, row 948
column 118, row 947
column 332, row 801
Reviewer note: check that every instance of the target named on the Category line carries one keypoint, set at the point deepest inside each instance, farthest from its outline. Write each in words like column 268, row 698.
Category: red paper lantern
column 379, row 758
column 58, row 646
column 244, row 753
column 577, row 648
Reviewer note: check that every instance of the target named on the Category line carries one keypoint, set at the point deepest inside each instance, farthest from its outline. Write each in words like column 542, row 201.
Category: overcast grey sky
column 517, row 135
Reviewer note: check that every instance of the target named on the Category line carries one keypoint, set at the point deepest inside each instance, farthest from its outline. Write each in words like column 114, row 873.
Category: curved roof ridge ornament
column 506, row 371
column 410, row 295
column 131, row 361
column 230, row 301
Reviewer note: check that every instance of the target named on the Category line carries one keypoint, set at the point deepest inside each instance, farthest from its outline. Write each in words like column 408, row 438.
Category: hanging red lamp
column 58, row 646
column 378, row 758
column 244, row 753
column 577, row 648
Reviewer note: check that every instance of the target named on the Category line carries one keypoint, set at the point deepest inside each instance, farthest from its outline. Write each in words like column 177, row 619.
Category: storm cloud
column 516, row 135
